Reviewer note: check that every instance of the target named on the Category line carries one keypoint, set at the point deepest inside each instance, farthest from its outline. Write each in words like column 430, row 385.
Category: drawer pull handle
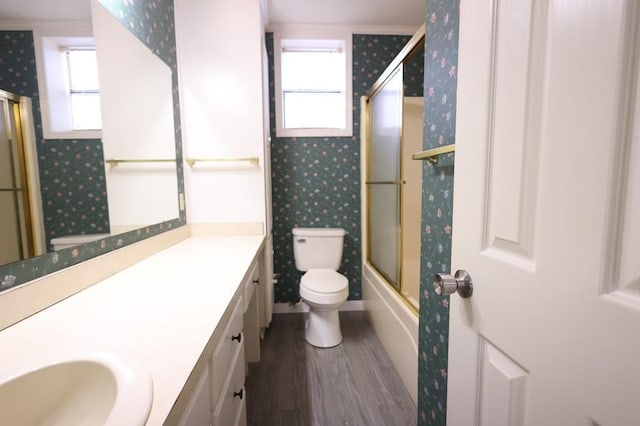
column 239, row 394
column 237, row 337
column 256, row 281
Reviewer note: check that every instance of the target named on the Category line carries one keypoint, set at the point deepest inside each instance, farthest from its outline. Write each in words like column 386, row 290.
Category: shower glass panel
column 392, row 129
column 14, row 215
column 384, row 179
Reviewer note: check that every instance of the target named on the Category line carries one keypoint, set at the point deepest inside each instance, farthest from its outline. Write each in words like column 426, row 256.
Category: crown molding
column 353, row 29
column 39, row 25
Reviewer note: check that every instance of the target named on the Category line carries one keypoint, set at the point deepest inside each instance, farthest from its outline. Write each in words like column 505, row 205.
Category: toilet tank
column 318, row 248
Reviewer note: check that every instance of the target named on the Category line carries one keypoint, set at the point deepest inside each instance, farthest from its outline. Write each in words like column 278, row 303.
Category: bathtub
column 395, row 324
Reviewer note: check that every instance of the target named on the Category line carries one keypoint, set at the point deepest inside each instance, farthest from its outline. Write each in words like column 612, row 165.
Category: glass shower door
column 384, row 178
column 14, row 214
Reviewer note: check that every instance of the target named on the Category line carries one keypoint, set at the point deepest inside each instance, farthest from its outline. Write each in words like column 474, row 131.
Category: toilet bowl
column 324, row 291
column 318, row 252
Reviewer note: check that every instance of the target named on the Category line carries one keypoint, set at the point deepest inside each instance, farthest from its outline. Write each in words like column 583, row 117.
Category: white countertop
column 160, row 312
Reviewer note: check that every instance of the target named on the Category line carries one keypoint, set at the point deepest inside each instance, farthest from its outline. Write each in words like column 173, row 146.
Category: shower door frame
column 26, row 180
column 410, row 49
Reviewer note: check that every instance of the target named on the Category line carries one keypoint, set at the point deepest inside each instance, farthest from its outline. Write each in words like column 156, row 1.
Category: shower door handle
column 445, row 284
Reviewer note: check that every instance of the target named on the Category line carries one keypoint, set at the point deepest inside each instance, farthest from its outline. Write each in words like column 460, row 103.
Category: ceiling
column 342, row 12
column 45, row 10
column 348, row 12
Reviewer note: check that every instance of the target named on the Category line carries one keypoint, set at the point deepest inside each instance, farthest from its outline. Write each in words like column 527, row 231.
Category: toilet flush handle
column 302, row 240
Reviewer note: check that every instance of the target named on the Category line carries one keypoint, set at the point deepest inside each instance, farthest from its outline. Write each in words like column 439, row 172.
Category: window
column 313, row 86
column 67, row 81
column 84, row 96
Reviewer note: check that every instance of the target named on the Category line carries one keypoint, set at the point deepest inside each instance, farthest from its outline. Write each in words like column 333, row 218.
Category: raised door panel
column 230, row 343
column 502, row 388
column 512, row 127
column 252, row 315
column 624, row 269
column 229, row 407
column 198, row 411
column 249, row 286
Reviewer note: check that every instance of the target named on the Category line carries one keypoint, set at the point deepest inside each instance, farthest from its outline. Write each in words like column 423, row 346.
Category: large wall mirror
column 113, row 190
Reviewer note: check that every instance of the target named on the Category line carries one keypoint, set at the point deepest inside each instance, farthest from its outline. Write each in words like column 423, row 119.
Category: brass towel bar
column 114, row 162
column 431, row 155
column 252, row 160
column 385, row 182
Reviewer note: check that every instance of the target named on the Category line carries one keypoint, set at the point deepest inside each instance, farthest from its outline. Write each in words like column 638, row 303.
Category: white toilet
column 318, row 251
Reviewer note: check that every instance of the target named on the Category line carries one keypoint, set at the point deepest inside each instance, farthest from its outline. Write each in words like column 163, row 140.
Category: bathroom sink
column 94, row 389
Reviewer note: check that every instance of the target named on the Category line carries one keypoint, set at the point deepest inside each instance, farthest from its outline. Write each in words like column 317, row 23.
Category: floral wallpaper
column 75, row 167
column 440, row 82
column 413, row 74
column 316, row 181
column 73, row 187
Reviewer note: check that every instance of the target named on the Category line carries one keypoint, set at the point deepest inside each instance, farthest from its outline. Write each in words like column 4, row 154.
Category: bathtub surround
column 316, row 181
column 440, row 82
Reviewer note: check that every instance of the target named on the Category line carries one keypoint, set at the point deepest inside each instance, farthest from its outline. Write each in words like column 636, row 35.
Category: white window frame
column 55, row 109
column 314, row 34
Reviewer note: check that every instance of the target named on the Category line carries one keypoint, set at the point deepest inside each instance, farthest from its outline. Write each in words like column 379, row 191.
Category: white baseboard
column 286, row 308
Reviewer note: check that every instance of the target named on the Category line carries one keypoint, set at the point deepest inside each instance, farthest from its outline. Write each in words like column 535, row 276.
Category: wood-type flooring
column 354, row 383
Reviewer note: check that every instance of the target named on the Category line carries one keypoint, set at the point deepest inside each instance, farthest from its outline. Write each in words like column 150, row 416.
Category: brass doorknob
column 445, row 284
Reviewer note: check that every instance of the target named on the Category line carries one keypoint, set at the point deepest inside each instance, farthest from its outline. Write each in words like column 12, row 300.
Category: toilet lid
column 324, row 281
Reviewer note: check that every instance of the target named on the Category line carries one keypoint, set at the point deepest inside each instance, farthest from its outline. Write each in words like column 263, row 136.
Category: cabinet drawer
column 230, row 343
column 250, row 284
column 230, row 408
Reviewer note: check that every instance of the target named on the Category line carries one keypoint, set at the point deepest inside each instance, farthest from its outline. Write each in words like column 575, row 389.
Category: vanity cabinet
column 219, row 397
column 191, row 341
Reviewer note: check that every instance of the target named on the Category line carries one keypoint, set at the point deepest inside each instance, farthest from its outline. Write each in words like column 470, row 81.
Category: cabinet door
column 198, row 411
column 230, row 409
column 252, row 316
column 230, row 343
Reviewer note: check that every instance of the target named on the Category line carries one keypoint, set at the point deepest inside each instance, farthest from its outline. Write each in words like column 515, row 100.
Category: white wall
column 220, row 69
column 412, row 111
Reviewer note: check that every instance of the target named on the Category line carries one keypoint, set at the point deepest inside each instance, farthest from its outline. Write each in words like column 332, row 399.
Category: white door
column 547, row 215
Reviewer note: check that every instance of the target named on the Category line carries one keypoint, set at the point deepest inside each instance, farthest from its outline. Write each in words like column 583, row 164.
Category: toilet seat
column 324, row 286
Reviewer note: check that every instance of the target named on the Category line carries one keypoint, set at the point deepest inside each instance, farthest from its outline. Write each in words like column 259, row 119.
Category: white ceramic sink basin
column 93, row 389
